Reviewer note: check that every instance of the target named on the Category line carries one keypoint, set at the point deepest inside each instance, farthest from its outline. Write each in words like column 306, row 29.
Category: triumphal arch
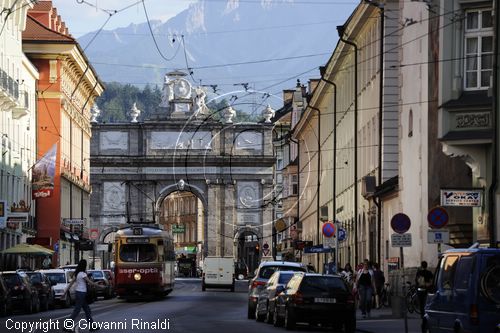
column 186, row 148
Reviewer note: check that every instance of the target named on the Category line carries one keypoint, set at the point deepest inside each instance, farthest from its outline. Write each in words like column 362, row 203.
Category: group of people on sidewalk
column 368, row 283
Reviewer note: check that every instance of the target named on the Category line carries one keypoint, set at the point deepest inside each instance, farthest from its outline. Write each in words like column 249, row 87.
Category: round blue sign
column 400, row 223
column 342, row 234
column 437, row 217
column 328, row 229
column 56, row 246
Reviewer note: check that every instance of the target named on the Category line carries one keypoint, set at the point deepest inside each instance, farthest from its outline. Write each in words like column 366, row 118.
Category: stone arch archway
column 245, row 241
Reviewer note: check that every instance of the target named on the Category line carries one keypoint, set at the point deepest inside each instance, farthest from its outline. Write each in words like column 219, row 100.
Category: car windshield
column 97, row 274
column 56, row 277
column 267, row 271
column 11, row 280
column 108, row 275
column 137, row 252
column 322, row 283
column 35, row 278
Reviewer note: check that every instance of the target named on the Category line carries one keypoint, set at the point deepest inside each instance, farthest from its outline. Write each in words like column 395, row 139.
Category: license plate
column 211, row 276
column 324, row 300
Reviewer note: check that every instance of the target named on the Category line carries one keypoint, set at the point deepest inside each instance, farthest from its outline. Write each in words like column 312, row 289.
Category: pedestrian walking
column 423, row 280
column 46, row 263
column 365, row 288
column 81, row 279
column 348, row 274
column 379, row 281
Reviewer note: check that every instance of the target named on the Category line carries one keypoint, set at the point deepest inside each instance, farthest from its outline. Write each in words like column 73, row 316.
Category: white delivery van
column 218, row 272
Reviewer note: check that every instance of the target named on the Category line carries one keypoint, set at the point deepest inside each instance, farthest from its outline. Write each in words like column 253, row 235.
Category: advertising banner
column 43, row 174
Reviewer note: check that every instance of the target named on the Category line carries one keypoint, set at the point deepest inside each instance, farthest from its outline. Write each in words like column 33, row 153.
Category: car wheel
column 28, row 306
column 251, row 312
column 276, row 319
column 203, row 287
column 44, row 305
column 289, row 320
column 258, row 317
column 3, row 309
column 350, row 326
column 241, row 276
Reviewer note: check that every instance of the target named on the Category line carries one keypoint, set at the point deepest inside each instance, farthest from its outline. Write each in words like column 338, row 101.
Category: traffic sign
column 437, row 217
column 329, row 242
column 94, row 234
column 342, row 234
column 401, row 240
column 400, row 223
column 328, row 229
column 265, row 246
column 56, row 246
column 438, row 236
column 318, row 249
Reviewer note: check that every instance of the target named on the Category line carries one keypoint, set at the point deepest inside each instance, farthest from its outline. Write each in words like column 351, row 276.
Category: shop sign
column 463, row 198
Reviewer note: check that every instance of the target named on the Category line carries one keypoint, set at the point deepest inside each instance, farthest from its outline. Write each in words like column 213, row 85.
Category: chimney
column 287, row 95
column 313, row 83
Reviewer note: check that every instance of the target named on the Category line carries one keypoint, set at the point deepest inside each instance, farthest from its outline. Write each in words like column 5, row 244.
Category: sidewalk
column 383, row 321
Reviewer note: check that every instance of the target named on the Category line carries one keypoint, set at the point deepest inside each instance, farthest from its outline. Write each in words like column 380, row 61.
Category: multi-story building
column 67, row 88
column 18, row 132
column 464, row 48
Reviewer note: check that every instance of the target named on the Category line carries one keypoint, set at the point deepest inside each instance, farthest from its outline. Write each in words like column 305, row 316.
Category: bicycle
column 385, row 296
column 411, row 299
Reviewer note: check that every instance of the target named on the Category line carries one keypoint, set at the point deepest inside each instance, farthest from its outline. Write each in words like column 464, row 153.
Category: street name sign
column 401, row 240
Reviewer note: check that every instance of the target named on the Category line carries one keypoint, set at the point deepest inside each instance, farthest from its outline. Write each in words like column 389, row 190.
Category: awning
column 35, row 250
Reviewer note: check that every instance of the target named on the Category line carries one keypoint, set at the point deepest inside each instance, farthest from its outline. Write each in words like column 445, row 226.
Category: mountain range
column 267, row 44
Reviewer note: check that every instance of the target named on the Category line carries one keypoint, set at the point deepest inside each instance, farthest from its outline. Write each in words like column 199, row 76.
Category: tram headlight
column 137, row 276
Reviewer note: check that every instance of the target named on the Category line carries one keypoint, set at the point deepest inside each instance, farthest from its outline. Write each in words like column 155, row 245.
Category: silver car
column 62, row 277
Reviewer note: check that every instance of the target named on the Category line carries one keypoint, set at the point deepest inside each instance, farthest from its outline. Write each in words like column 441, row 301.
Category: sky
column 83, row 16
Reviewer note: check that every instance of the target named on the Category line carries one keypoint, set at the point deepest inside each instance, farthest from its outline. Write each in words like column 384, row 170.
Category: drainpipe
column 318, row 182
column 334, row 170
column 341, row 30
column 494, row 155
column 298, row 177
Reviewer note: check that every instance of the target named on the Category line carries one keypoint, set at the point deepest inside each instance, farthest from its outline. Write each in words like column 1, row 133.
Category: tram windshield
column 138, row 252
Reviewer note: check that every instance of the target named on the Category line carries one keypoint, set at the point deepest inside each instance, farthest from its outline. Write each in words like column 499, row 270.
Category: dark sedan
column 45, row 289
column 99, row 277
column 267, row 296
column 5, row 302
column 316, row 299
column 23, row 295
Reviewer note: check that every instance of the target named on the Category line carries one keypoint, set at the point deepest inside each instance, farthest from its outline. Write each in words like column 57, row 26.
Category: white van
column 218, row 272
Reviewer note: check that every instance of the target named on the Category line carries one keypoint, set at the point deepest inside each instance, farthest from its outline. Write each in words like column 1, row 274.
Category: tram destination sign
column 464, row 198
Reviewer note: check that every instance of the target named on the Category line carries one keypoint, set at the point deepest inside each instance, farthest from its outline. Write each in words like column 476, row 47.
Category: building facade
column 18, row 133
column 67, row 88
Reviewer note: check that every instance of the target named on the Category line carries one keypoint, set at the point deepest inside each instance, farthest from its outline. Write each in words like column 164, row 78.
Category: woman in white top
column 81, row 279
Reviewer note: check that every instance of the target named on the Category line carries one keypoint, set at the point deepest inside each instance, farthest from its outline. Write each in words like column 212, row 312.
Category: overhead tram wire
column 153, row 35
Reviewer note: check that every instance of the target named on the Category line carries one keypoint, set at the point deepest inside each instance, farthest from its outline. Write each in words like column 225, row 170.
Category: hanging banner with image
column 43, row 174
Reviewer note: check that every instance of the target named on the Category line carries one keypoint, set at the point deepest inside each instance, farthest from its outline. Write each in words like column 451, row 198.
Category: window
column 410, row 124
column 464, row 270
column 447, row 273
column 478, row 49
column 294, row 186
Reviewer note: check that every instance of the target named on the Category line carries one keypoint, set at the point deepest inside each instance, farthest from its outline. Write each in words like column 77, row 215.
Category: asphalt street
column 186, row 309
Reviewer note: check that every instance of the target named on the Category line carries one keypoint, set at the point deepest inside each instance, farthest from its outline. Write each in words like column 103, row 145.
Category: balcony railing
column 8, row 84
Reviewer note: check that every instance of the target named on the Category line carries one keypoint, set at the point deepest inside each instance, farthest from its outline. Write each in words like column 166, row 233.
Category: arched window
column 410, row 123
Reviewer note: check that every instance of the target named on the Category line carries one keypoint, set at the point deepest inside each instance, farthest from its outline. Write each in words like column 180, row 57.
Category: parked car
column 316, row 299
column 22, row 294
column 70, row 267
column 466, row 292
column 99, row 277
column 45, row 289
column 60, row 278
column 5, row 301
column 218, row 272
column 267, row 297
column 110, row 275
column 262, row 275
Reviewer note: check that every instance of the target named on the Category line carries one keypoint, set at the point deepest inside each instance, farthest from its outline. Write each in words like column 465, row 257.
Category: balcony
column 467, row 120
column 22, row 109
column 9, row 90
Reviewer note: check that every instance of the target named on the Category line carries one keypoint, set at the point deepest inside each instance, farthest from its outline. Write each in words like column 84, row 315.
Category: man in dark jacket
column 423, row 280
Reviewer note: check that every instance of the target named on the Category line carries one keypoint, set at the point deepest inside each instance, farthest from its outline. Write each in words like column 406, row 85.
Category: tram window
column 138, row 253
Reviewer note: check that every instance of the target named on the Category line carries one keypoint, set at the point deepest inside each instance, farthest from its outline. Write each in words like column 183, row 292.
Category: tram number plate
column 324, row 300
column 212, row 276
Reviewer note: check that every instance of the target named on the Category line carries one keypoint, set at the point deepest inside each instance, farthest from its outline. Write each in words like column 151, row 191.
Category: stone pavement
column 383, row 321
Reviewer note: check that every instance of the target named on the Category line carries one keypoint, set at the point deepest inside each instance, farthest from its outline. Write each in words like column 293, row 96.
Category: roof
column 36, row 31
column 282, row 263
